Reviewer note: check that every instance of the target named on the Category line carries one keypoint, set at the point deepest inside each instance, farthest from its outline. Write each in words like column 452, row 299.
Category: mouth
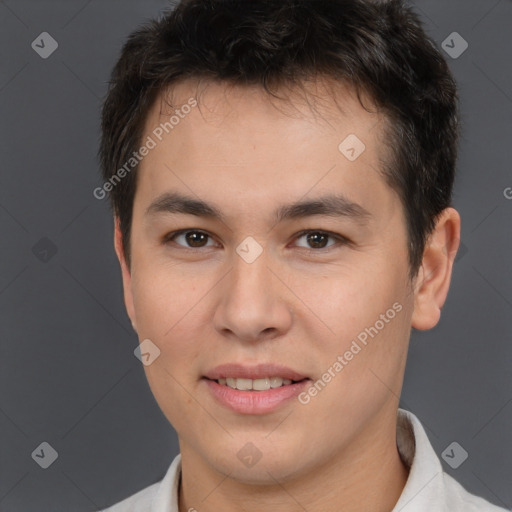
column 262, row 384
column 254, row 396
column 254, row 389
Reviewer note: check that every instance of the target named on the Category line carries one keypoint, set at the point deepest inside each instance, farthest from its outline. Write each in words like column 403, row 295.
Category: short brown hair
column 377, row 47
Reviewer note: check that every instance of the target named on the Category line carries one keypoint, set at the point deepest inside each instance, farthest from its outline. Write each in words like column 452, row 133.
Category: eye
column 319, row 239
column 195, row 238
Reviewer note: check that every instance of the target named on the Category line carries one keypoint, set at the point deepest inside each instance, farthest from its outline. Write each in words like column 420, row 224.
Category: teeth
column 276, row 382
column 256, row 384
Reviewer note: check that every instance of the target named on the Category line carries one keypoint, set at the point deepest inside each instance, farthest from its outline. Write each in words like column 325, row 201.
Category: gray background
column 68, row 373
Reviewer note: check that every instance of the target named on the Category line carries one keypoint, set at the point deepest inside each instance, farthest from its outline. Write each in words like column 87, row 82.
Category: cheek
column 170, row 303
column 350, row 302
column 367, row 316
column 167, row 313
column 163, row 298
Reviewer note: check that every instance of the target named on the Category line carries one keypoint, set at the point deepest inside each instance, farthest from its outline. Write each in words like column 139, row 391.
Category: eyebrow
column 331, row 205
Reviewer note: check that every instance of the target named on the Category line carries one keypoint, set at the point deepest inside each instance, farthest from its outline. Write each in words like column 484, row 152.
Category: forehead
column 323, row 104
column 241, row 140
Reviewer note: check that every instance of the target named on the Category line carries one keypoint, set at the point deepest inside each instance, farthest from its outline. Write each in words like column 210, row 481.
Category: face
column 321, row 290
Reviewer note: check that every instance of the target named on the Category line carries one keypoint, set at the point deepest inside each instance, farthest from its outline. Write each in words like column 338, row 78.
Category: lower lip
column 254, row 402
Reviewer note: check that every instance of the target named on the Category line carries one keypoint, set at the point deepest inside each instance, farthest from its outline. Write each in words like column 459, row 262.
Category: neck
column 367, row 475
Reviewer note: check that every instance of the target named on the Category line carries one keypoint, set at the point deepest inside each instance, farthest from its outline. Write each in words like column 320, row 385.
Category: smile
column 255, row 384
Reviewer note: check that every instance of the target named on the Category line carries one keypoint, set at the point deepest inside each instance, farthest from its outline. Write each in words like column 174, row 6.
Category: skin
column 247, row 157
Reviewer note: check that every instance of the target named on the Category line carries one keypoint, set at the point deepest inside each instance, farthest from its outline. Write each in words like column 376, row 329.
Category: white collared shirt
column 428, row 487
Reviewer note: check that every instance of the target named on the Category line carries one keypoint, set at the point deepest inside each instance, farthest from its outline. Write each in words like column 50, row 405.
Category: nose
column 254, row 304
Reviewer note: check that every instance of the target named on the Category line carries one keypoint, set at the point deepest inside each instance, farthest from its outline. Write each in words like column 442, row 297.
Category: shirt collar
column 166, row 499
column 424, row 490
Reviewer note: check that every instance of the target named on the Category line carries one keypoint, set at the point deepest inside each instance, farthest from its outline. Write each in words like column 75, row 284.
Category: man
column 281, row 175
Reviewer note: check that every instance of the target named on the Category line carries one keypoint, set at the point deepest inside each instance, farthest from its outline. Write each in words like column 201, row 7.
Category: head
column 246, row 109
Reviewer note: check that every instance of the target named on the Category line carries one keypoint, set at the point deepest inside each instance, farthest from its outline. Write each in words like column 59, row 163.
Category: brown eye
column 192, row 239
column 319, row 239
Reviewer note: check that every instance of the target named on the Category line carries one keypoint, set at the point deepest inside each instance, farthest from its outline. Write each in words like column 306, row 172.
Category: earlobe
column 433, row 280
column 125, row 273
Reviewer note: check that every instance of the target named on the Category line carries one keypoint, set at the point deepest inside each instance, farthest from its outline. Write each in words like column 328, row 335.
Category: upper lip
column 260, row 371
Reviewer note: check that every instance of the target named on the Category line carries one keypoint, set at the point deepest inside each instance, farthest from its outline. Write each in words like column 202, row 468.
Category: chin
column 251, row 466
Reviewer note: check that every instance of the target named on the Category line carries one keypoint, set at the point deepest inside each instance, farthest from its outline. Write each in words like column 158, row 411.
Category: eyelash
column 341, row 240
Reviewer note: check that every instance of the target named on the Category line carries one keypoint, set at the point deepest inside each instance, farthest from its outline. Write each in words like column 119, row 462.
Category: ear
column 125, row 272
column 433, row 279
